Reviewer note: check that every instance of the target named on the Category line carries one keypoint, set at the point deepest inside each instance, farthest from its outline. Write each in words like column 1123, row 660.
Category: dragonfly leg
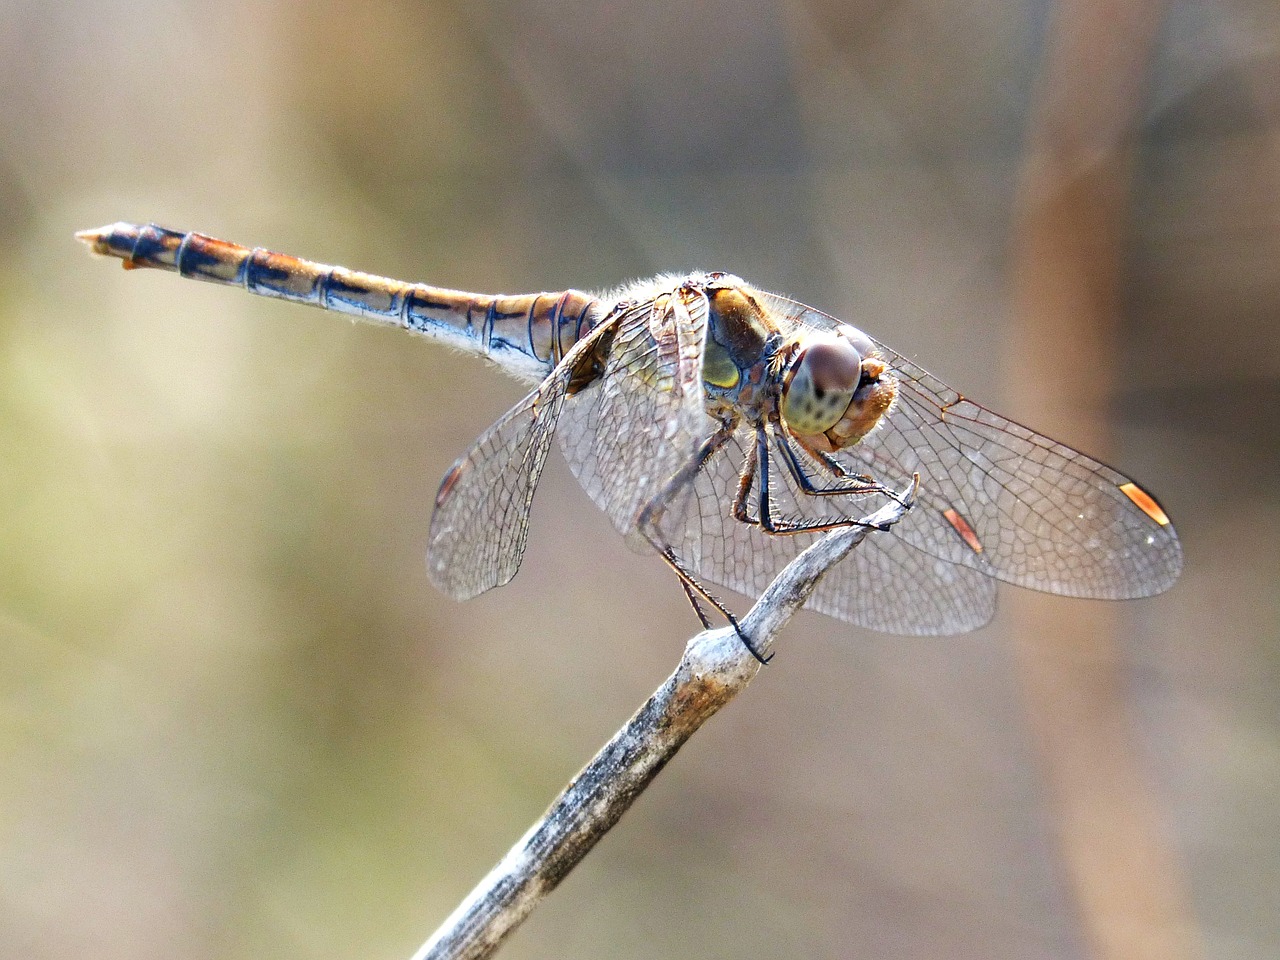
column 851, row 484
column 693, row 588
column 695, row 603
column 650, row 524
column 651, row 517
column 758, row 463
column 746, row 480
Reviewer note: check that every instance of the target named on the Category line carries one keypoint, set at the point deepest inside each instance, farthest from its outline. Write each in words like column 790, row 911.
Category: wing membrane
column 481, row 520
column 631, row 429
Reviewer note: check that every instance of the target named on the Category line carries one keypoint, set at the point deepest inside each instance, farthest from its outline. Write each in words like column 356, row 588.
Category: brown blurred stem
column 1067, row 268
column 715, row 667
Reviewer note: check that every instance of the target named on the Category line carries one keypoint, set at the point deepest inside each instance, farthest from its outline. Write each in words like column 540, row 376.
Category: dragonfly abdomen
column 527, row 334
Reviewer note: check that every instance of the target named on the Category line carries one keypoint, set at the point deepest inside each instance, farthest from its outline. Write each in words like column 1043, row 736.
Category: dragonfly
column 728, row 427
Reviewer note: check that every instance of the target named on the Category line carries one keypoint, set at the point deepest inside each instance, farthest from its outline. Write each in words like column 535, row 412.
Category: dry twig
column 715, row 667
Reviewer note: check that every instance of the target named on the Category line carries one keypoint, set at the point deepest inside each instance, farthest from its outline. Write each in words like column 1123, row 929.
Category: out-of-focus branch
column 715, row 667
column 1067, row 261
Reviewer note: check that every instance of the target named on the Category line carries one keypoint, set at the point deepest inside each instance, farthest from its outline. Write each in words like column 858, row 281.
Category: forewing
column 885, row 584
column 629, row 430
column 1038, row 513
column 481, row 520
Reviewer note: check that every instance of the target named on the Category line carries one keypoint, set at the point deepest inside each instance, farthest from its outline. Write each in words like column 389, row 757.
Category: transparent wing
column 1044, row 515
column 481, row 520
column 630, row 429
column 885, row 584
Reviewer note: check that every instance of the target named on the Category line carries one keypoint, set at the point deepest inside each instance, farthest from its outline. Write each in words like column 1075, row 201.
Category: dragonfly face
column 836, row 390
column 832, row 389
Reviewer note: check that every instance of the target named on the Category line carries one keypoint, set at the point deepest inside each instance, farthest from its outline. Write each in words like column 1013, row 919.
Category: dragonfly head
column 835, row 390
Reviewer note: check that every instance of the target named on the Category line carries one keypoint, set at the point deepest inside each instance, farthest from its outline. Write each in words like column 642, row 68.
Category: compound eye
column 861, row 342
column 824, row 377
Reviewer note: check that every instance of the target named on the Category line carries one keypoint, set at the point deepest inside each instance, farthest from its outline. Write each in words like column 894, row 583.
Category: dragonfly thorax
column 737, row 334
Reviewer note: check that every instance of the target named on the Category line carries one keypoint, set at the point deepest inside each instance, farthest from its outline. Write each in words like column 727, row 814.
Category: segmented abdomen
column 525, row 333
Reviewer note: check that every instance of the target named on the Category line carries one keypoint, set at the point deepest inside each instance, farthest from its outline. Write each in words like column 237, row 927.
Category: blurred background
column 237, row 721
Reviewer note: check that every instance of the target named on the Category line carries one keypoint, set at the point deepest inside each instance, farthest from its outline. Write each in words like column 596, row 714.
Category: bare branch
column 715, row 667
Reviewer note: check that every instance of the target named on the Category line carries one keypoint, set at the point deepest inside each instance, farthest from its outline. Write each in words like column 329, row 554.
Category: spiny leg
column 650, row 524
column 746, row 480
column 695, row 603
column 852, row 484
column 782, row 526
column 693, row 588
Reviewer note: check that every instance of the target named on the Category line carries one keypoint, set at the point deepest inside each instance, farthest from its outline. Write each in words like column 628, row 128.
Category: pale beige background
column 236, row 721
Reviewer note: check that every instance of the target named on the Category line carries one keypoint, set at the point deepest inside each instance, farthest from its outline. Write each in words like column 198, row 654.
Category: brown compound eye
column 820, row 385
column 861, row 342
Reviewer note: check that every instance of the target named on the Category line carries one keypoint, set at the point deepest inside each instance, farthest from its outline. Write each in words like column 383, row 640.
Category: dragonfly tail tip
column 98, row 239
column 94, row 238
